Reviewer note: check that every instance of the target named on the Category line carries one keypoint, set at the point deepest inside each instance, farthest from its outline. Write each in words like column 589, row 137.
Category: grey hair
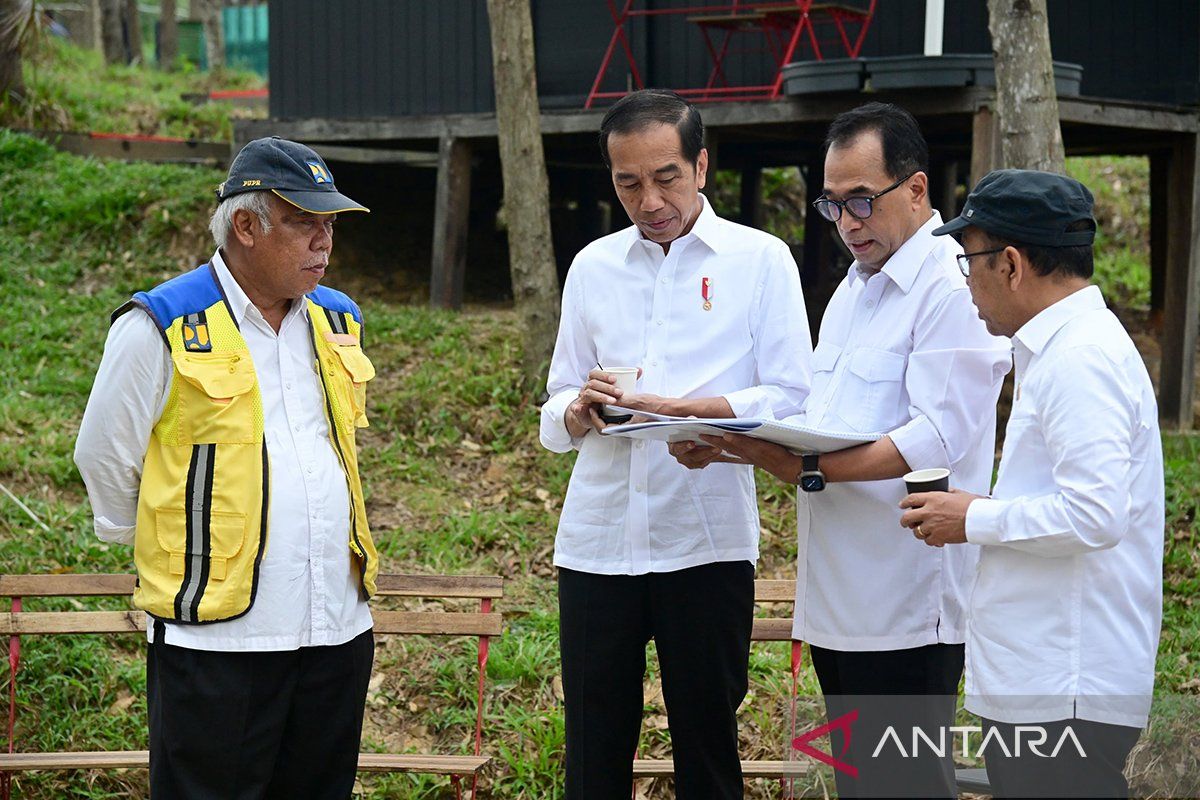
column 257, row 203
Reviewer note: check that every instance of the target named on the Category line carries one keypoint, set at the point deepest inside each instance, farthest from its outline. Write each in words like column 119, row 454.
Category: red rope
column 485, row 607
column 797, row 663
column 14, row 663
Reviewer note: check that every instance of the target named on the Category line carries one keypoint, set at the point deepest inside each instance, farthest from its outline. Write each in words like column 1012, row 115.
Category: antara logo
column 1030, row 737
column 842, row 723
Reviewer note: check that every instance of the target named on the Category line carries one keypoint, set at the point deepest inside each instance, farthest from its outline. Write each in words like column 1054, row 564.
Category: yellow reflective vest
column 204, row 495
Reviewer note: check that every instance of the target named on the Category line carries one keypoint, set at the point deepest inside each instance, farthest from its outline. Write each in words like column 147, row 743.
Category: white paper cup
column 626, row 382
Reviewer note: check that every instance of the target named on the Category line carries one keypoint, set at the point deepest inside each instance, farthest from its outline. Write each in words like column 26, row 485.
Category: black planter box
column 931, row 72
column 830, row 75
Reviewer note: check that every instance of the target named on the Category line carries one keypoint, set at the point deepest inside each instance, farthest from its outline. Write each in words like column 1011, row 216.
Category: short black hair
column 1076, row 261
column 639, row 110
column 904, row 148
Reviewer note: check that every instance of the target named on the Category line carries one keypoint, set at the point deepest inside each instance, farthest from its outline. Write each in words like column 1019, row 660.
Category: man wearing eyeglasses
column 902, row 352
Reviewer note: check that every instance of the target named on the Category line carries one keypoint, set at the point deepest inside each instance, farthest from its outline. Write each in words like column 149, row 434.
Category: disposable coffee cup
column 627, row 383
column 928, row 480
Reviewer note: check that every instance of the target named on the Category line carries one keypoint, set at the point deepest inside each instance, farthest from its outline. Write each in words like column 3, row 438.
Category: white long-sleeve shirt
column 307, row 592
column 901, row 351
column 1067, row 608
column 630, row 507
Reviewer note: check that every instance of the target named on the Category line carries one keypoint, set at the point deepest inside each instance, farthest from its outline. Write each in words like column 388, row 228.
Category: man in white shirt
column 900, row 352
column 1066, row 612
column 223, row 415
column 712, row 312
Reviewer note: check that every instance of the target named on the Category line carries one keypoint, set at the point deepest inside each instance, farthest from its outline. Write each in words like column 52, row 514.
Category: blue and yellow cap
column 292, row 171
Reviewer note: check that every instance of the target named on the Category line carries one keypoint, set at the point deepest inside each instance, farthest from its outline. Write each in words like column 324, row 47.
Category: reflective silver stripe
column 198, row 539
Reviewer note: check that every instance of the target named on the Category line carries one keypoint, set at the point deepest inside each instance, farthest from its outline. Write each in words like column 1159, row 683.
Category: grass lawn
column 456, row 480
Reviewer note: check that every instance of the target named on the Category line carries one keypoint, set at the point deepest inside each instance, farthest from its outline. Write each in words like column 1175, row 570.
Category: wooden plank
column 786, row 111
column 1181, row 313
column 216, row 154
column 772, row 630
column 451, row 212
column 65, row 585
column 771, row 591
column 435, row 623
column 140, row 759
column 429, row 765
column 128, row 759
column 649, row 768
column 58, row 622
column 481, row 586
column 71, row 585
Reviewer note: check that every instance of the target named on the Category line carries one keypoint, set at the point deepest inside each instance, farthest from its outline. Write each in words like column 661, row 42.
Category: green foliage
column 70, row 88
column 1121, row 186
column 456, row 483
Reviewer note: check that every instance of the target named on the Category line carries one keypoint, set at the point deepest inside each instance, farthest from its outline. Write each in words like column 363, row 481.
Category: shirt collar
column 239, row 301
column 904, row 265
column 708, row 228
column 1035, row 334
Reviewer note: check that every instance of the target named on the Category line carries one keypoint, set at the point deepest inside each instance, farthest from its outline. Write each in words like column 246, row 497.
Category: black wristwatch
column 811, row 477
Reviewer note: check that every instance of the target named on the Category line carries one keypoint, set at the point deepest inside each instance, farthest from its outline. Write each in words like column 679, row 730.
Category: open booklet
column 797, row 438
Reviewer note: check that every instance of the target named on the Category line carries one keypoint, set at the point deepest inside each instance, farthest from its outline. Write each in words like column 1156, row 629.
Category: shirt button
column 296, row 428
column 638, row 488
column 654, row 363
column 660, row 322
column 309, row 470
column 287, row 386
column 664, row 280
column 870, row 304
column 638, row 444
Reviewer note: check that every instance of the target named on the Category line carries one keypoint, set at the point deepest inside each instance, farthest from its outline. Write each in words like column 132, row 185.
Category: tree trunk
column 526, row 188
column 1026, row 102
column 209, row 13
column 133, row 32
column 14, row 21
column 168, row 36
column 111, row 37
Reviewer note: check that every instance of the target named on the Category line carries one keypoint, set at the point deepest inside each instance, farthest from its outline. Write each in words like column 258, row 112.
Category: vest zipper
column 355, row 544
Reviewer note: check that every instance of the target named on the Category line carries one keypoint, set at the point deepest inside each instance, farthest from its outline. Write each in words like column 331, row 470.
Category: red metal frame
column 782, row 23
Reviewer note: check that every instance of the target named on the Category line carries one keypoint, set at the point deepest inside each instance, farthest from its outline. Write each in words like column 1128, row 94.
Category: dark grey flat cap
column 1027, row 207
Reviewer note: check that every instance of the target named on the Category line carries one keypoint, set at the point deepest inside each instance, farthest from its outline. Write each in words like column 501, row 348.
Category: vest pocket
column 216, row 537
column 216, row 396
column 357, row 369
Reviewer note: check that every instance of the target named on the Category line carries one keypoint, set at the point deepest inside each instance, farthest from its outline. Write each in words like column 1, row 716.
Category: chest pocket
column 870, row 397
column 356, row 370
column 216, row 396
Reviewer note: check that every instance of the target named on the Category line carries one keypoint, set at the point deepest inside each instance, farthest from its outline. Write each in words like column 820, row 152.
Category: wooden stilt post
column 1160, row 163
column 985, row 144
column 452, row 205
column 751, row 201
column 1181, row 309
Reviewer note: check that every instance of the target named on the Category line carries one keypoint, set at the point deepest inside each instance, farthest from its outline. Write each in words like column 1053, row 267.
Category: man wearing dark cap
column 1066, row 611
column 219, row 440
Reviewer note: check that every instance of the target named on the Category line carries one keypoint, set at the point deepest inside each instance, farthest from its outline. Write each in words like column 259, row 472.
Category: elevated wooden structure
column 964, row 143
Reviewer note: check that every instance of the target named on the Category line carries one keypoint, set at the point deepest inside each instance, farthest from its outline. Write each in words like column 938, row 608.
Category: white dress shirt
column 307, row 591
column 1066, row 611
column 631, row 508
column 901, row 351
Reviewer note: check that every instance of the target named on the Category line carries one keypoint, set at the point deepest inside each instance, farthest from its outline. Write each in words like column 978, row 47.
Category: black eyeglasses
column 964, row 259
column 859, row 207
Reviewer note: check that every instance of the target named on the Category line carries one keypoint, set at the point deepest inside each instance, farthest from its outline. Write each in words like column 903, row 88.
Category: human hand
column 698, row 456
column 584, row 412
column 777, row 460
column 938, row 518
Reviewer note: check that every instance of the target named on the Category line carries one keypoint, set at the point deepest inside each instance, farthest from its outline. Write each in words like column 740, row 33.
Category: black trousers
column 700, row 620
column 901, row 689
column 1099, row 772
column 256, row 726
